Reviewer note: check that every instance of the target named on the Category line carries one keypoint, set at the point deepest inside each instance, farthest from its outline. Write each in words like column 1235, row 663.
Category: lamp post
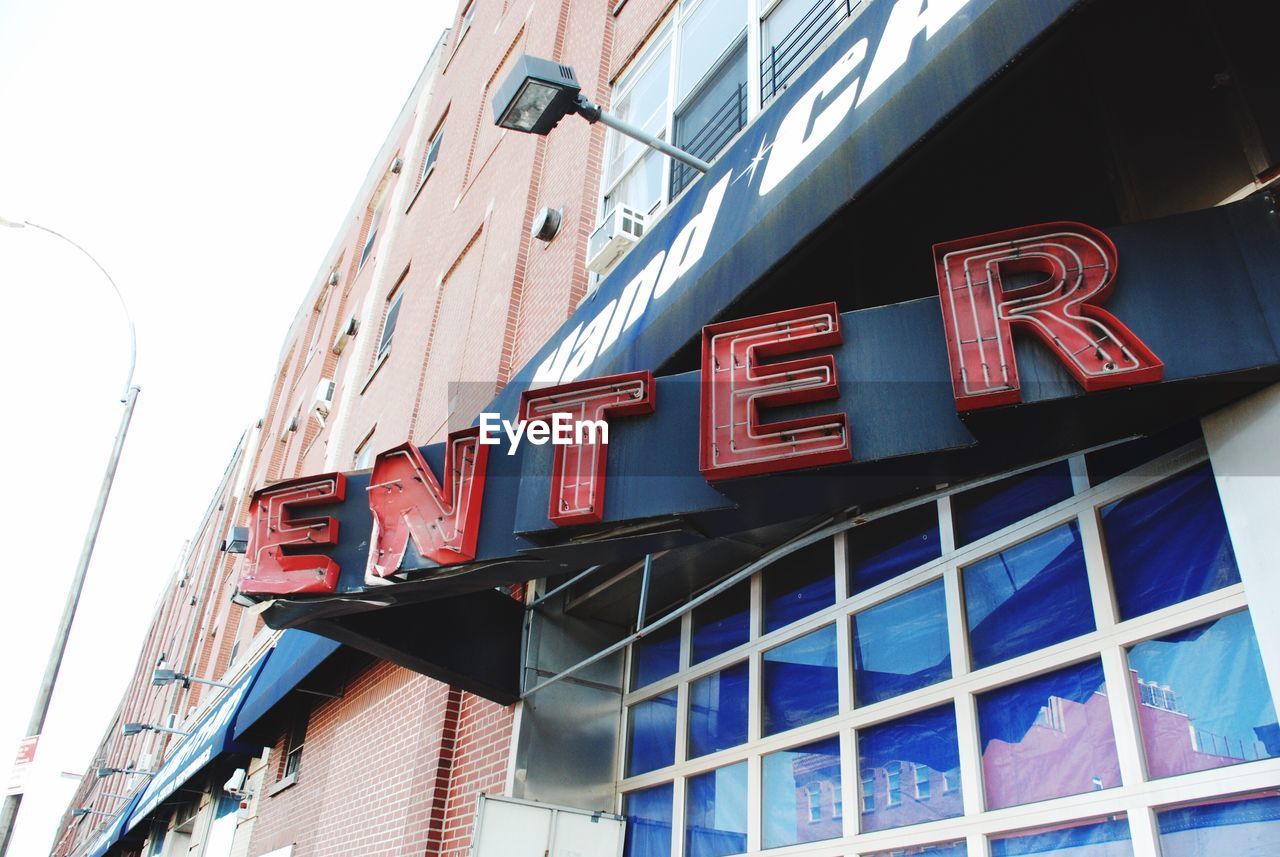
column 9, row 812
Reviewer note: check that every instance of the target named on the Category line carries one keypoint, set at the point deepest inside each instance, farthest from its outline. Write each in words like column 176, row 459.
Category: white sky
column 206, row 154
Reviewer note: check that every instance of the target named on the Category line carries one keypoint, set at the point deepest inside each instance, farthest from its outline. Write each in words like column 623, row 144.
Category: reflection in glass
column 723, row 623
column 881, row 550
column 1243, row 826
column 979, row 512
column 716, row 812
column 799, row 584
column 901, row 645
column 1168, row 543
column 910, row 770
column 655, row 655
column 1108, row 838
column 707, row 33
column 800, row 681
column 1204, row 701
column 651, row 734
column 1047, row 737
column 1028, row 596
column 718, row 711
column 802, row 794
column 937, row 849
column 648, row 813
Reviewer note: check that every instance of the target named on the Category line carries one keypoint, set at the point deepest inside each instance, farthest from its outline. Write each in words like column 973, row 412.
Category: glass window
column 648, row 813
column 651, row 734
column 297, row 740
column 709, row 119
column 1204, row 701
column 912, row 751
column 787, row 777
column 705, row 35
column 940, row 849
column 901, row 645
column 1108, row 838
column 655, row 656
column 389, row 326
column 372, row 236
column 1168, row 543
column 1243, row 826
column 799, row 584
column 718, row 711
column 1028, row 596
column 794, row 32
column 1047, row 737
column 982, row 511
column 433, row 152
column 800, row 681
column 885, row 548
column 643, row 102
column 716, row 812
column 723, row 623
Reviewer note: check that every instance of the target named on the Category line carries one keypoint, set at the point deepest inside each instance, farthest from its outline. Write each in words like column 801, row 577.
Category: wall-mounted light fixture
column 136, row 728
column 161, row 677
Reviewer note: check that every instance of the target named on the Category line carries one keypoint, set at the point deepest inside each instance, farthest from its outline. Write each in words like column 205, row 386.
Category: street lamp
column 538, row 93
column 136, row 728
column 103, row 772
column 9, row 812
column 161, row 677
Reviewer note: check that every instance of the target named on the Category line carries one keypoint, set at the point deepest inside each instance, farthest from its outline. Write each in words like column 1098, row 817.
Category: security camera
column 234, row 786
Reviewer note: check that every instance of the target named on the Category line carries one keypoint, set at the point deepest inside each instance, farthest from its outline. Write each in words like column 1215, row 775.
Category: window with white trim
column 1072, row 640
column 429, row 160
column 389, row 325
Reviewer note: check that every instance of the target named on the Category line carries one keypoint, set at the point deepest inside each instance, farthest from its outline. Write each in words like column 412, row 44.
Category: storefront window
column 1047, row 737
column 799, row 584
column 1203, row 698
column 716, row 812
column 1168, row 543
column 787, row 777
column 723, row 623
column 655, row 656
column 800, row 682
column 1108, row 838
column 901, row 645
column 902, row 761
column 718, row 711
column 1027, row 597
column 982, row 511
column 882, row 549
column 941, row 849
column 1244, row 826
column 651, row 727
column 648, row 813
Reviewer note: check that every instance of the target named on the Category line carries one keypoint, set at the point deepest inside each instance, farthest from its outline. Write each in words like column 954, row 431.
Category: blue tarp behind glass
column 656, row 655
column 910, row 770
column 800, row 681
column 716, row 812
column 651, row 734
column 718, row 711
column 882, row 549
column 1028, row 596
column 723, row 623
column 799, row 584
column 982, row 511
column 1168, row 543
column 1247, row 826
column 901, row 645
column 648, row 813
column 1108, row 838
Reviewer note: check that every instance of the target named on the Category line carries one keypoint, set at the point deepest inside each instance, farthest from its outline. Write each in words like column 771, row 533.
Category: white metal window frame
column 1138, row 797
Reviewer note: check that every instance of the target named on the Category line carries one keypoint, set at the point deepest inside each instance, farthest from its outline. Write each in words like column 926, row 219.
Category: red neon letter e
column 1064, row 310
column 736, row 384
column 408, row 502
column 578, row 468
column 273, row 526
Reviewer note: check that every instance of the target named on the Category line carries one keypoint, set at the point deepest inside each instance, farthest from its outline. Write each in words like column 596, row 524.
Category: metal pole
column 592, row 113
column 12, row 803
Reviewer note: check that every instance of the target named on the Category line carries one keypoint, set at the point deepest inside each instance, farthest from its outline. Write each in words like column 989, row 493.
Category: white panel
column 587, row 835
column 507, row 829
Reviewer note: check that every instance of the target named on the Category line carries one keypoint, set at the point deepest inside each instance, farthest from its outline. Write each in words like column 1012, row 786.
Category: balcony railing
column 729, row 118
column 781, row 61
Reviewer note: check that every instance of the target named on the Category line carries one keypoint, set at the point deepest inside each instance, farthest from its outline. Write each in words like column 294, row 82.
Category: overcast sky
column 206, row 154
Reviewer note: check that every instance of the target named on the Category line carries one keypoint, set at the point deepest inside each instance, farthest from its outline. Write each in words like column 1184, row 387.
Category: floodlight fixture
column 82, row 811
column 161, row 677
column 104, row 771
column 538, row 93
column 136, row 728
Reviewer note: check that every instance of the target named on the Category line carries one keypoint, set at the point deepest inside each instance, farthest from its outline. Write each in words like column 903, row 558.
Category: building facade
column 937, row 510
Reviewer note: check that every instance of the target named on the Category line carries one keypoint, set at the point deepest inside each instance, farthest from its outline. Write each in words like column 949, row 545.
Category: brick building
column 991, row 505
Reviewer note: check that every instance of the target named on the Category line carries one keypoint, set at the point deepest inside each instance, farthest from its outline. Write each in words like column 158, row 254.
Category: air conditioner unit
column 323, row 399
column 621, row 229
column 344, row 335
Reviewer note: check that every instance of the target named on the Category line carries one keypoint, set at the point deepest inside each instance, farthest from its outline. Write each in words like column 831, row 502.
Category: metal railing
column 729, row 118
column 779, row 63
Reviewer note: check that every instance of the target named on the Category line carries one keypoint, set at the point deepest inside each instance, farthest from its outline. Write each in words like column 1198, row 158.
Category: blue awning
column 295, row 655
column 114, row 830
column 211, row 738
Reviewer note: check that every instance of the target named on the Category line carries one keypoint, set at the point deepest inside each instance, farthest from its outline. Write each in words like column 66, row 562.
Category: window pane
column 982, row 511
column 800, row 681
column 1204, row 701
column 716, row 812
column 651, row 734
column 656, row 655
column 648, row 813
column 1108, row 838
column 718, row 711
column 883, row 549
column 1247, row 826
column 1047, row 737
column 793, row 32
column 901, row 645
column 644, row 104
column 1028, row 596
column 704, row 37
column 723, row 623
column 799, row 584
column 940, row 849
column 789, row 777
column 1168, row 543
column 910, row 770
column 389, row 326
column 641, row 189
